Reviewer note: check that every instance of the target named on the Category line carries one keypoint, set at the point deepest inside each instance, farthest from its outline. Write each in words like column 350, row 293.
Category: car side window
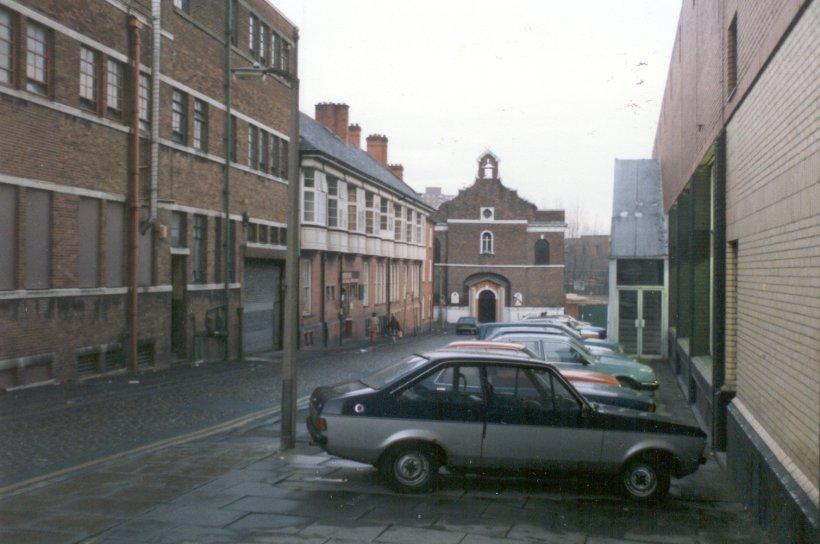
column 554, row 351
column 527, row 396
column 449, row 384
column 560, row 398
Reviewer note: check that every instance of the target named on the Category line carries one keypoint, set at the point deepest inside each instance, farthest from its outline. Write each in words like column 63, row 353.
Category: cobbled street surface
column 53, row 427
column 235, row 486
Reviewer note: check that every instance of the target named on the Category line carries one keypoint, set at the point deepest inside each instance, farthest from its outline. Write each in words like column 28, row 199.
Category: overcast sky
column 556, row 89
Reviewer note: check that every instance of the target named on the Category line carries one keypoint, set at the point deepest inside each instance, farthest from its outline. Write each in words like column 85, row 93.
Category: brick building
column 497, row 256
column 737, row 142
column 72, row 116
column 433, row 197
column 364, row 236
column 586, row 264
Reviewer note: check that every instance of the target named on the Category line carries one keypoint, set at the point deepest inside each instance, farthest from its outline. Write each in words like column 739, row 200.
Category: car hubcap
column 412, row 468
column 641, row 481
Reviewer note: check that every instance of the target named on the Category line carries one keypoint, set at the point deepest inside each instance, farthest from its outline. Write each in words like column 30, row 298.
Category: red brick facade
column 489, row 232
column 75, row 150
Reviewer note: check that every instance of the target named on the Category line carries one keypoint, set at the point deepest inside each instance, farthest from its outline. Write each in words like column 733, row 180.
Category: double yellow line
column 301, row 403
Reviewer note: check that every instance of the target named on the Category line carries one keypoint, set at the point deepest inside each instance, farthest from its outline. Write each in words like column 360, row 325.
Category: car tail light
column 321, row 424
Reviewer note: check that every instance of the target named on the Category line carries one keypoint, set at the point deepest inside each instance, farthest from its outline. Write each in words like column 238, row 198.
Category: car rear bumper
column 315, row 434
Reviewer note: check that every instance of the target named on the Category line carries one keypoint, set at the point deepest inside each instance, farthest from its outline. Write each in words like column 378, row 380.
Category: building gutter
column 133, row 196
column 156, row 45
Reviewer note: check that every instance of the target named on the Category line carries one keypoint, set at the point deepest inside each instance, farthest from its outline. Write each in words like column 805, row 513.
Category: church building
column 497, row 256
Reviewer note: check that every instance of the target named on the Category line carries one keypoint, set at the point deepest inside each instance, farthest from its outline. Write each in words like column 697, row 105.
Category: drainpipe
column 226, row 193
column 323, row 304
column 156, row 37
column 133, row 196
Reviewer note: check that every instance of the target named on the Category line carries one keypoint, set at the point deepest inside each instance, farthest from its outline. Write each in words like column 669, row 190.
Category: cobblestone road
column 50, row 428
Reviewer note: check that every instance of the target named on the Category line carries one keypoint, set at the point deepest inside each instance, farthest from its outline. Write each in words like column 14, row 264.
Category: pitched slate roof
column 316, row 138
column 638, row 223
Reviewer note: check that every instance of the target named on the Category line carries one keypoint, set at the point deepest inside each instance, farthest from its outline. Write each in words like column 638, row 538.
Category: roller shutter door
column 262, row 312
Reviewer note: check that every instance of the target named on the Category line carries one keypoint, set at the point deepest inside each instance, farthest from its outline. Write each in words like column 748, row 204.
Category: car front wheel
column 411, row 469
column 645, row 480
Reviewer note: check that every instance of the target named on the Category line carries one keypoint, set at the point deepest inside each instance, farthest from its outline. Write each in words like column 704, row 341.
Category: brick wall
column 51, row 139
column 696, row 102
column 772, row 197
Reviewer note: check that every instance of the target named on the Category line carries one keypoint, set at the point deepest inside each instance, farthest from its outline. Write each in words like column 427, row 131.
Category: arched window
column 542, row 252
column 437, row 251
column 487, row 243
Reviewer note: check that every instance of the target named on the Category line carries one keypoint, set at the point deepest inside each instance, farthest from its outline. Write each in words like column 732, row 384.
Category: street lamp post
column 291, row 317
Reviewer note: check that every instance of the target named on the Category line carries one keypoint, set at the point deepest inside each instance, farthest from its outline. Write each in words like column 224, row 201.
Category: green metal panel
column 595, row 314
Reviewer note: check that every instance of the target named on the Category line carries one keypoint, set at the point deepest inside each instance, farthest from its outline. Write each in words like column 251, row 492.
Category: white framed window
column 114, row 84
column 384, row 213
column 309, row 195
column 352, row 208
column 360, row 209
column 419, row 231
column 332, row 201
column 341, row 213
column 487, row 214
column 145, row 103
column 369, row 225
column 397, row 222
column 307, row 281
column 408, row 226
column 88, row 77
column 487, row 247
column 365, row 285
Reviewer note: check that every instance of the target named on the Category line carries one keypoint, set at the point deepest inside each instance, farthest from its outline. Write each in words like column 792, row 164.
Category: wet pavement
column 235, row 486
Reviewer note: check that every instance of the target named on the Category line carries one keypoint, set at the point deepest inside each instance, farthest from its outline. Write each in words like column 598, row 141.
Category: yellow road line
column 173, row 441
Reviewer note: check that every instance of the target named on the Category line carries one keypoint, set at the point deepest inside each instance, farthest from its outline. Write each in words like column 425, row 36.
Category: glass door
column 650, row 322
column 628, row 319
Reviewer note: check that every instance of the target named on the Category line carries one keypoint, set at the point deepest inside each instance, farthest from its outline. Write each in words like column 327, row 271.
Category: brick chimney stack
column 377, row 148
column 334, row 116
column 398, row 170
column 354, row 136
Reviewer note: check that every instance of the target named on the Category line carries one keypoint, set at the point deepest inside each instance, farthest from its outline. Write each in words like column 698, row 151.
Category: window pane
column 5, row 46
column 640, row 272
column 198, row 249
column 114, row 85
column 179, row 116
column 38, row 239
column 88, row 79
column 145, row 103
column 200, row 125
column 178, row 231
column 89, row 232
column 146, row 256
column 8, row 228
column 114, row 244
column 36, row 58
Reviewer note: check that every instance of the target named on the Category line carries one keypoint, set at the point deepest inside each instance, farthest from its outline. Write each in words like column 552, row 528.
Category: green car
column 566, row 352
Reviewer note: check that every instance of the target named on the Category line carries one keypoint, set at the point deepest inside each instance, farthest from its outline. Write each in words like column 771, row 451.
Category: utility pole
column 291, row 332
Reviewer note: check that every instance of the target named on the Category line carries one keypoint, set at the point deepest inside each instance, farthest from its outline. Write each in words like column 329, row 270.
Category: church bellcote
column 488, row 166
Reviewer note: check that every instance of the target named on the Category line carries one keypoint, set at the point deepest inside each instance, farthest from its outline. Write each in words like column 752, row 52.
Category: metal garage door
column 262, row 306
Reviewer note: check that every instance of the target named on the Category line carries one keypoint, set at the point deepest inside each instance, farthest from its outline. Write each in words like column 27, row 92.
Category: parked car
column 594, row 386
column 487, row 331
column 566, row 352
column 473, row 412
column 573, row 375
column 587, row 330
column 466, row 325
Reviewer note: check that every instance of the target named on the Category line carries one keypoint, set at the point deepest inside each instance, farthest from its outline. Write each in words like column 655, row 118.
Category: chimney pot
column 398, row 170
column 377, row 148
column 354, row 135
column 334, row 117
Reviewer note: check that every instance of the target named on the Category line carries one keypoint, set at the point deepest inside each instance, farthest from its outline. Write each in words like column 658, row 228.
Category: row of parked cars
column 542, row 394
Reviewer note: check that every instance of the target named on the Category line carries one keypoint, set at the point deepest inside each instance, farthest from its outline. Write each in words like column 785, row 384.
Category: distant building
column 638, row 268
column 433, row 197
column 586, row 261
column 365, row 235
column 739, row 149
column 497, row 256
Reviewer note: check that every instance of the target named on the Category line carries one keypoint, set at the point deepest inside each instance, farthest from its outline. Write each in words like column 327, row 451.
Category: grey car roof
column 639, row 226
column 316, row 138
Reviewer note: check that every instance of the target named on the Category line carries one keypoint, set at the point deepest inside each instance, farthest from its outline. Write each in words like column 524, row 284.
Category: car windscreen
column 391, row 373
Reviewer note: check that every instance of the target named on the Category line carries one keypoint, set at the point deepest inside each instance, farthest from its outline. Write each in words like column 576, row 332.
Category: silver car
column 472, row 412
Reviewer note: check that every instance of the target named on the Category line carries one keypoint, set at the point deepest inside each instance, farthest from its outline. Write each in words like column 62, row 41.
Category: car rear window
column 391, row 373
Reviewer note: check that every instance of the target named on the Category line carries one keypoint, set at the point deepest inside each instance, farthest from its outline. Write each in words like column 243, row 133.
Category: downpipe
column 133, row 196
column 156, row 45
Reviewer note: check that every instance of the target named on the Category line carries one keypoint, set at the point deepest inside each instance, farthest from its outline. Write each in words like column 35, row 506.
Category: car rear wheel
column 411, row 468
column 645, row 479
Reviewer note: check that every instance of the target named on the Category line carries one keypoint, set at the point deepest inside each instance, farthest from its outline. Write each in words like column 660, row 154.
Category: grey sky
column 555, row 88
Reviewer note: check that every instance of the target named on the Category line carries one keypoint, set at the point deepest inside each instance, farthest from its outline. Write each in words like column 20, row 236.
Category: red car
column 584, row 376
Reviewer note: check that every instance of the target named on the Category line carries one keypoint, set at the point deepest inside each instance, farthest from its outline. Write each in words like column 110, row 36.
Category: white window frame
column 307, row 284
column 309, row 191
column 365, row 283
column 487, row 249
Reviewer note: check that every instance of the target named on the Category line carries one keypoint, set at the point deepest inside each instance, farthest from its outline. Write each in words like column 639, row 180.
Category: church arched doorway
column 486, row 306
